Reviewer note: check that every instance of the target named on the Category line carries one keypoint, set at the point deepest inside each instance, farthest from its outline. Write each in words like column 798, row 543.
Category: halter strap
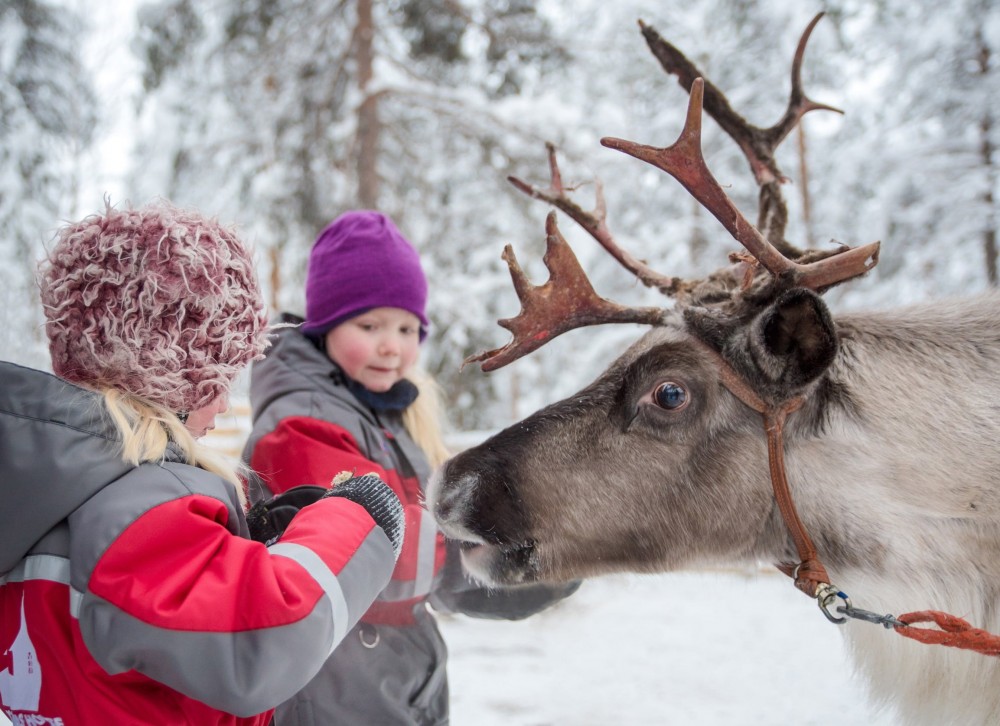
column 809, row 573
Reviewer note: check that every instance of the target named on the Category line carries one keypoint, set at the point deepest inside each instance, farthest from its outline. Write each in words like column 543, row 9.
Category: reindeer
column 875, row 474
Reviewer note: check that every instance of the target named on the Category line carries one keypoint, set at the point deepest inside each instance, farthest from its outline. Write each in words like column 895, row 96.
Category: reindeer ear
column 793, row 340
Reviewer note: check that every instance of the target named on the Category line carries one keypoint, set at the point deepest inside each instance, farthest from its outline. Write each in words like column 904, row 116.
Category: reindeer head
column 648, row 467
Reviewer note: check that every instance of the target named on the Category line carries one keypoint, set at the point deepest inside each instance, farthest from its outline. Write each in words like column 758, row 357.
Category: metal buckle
column 375, row 636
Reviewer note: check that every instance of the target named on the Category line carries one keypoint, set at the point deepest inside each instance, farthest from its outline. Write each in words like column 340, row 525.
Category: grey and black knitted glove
column 375, row 496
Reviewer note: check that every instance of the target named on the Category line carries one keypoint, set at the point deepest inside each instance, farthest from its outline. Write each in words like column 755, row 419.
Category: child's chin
column 379, row 386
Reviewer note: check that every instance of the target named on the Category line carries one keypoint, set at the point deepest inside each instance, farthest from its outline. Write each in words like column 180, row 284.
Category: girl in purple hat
column 340, row 391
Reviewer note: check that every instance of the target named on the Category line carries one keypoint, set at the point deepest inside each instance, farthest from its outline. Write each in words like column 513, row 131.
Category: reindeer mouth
column 501, row 564
column 493, row 552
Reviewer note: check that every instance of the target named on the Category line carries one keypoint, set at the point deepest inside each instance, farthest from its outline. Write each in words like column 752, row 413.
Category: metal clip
column 886, row 621
column 826, row 594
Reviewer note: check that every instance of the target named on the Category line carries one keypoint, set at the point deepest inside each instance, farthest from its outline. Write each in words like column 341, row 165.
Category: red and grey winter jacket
column 308, row 427
column 132, row 595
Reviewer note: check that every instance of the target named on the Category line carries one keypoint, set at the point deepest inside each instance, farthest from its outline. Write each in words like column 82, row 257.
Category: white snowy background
column 720, row 647
column 694, row 648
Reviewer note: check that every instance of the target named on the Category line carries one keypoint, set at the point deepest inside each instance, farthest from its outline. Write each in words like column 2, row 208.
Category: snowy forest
column 277, row 115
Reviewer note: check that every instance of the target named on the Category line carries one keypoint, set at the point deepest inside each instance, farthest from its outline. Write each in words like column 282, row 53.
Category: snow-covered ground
column 741, row 649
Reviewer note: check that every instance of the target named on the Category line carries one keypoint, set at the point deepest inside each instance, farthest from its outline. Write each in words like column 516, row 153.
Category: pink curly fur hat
column 159, row 302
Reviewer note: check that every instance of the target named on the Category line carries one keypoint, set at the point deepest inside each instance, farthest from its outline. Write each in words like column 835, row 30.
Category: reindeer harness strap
column 809, row 574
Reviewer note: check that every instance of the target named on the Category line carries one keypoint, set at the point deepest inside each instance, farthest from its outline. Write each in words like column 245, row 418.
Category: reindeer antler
column 685, row 162
column 757, row 144
column 565, row 302
column 595, row 223
column 568, row 301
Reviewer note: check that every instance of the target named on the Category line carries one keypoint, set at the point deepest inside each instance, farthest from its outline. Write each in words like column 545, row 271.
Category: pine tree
column 47, row 116
column 921, row 138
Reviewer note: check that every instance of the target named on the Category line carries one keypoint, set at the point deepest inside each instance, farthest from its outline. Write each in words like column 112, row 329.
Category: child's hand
column 375, row 496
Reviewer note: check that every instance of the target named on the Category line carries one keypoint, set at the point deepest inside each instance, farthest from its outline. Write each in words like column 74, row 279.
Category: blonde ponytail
column 146, row 429
column 423, row 419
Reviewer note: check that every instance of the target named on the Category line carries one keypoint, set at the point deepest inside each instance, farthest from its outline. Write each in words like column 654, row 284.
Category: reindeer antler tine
column 565, row 302
column 521, row 283
column 687, row 146
column 685, row 161
column 556, row 176
column 800, row 52
column 799, row 104
column 595, row 223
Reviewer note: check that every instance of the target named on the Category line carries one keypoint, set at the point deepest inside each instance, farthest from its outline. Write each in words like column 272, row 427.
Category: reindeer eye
column 670, row 396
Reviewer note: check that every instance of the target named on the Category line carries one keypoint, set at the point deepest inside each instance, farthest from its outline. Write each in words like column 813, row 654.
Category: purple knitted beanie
column 159, row 302
column 359, row 262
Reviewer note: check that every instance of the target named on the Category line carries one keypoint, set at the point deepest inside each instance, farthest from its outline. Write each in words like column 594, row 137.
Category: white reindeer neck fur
column 901, row 493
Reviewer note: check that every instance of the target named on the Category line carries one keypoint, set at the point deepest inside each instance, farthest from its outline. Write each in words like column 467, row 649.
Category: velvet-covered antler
column 567, row 300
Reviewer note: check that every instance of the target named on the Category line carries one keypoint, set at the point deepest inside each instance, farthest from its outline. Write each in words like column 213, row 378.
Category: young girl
column 130, row 592
column 341, row 392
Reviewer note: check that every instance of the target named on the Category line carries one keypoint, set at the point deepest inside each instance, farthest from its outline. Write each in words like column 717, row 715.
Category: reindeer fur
column 893, row 464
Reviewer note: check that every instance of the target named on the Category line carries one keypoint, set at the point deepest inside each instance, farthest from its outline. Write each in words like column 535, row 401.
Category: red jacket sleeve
column 303, row 450
column 224, row 619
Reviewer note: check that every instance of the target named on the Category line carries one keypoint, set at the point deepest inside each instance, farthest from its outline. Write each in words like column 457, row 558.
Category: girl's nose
column 389, row 345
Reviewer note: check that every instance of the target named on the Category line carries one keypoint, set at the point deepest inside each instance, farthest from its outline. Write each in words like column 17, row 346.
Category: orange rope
column 954, row 632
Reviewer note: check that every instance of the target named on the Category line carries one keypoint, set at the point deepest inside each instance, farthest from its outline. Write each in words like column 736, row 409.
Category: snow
column 702, row 647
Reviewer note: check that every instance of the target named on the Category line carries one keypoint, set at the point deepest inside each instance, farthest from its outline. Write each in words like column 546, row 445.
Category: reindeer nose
column 453, row 498
column 449, row 499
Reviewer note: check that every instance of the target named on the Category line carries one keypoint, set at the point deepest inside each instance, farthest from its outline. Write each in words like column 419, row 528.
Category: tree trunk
column 274, row 258
column 990, row 231
column 804, row 187
column 368, row 122
column 986, row 155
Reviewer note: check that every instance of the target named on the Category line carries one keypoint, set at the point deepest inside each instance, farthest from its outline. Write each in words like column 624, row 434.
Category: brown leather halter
column 809, row 574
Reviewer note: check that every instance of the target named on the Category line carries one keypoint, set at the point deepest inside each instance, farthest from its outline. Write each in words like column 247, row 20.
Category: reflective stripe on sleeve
column 51, row 568
column 322, row 574
column 39, row 567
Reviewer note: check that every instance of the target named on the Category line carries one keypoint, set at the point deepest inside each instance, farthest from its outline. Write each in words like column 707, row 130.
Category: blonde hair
column 147, row 428
column 423, row 418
